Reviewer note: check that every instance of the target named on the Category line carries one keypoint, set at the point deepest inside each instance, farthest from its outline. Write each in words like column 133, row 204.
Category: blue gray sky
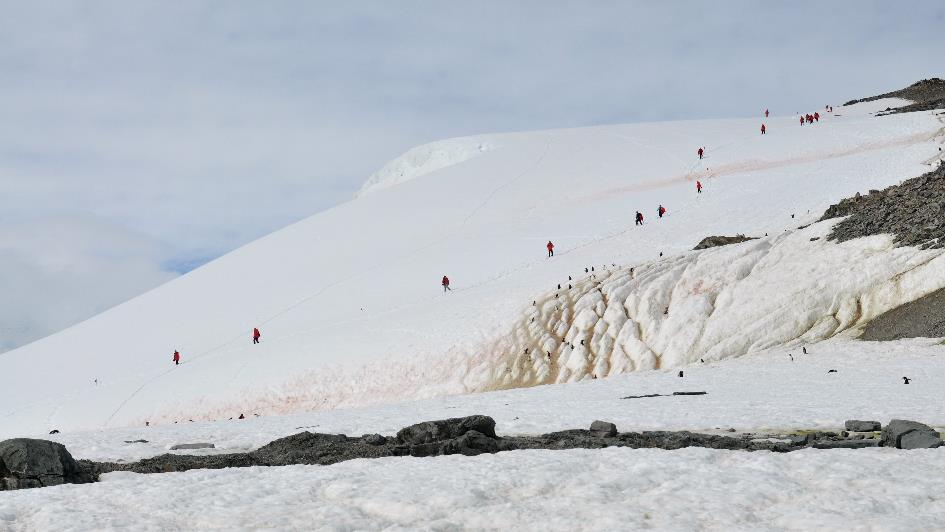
column 141, row 139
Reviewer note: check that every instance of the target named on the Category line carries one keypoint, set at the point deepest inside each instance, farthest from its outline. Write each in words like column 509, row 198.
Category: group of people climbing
column 810, row 118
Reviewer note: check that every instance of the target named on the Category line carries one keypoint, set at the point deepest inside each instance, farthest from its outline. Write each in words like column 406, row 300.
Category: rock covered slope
column 351, row 311
column 925, row 95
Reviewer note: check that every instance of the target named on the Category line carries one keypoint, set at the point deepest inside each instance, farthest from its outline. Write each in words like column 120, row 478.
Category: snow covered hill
column 351, row 311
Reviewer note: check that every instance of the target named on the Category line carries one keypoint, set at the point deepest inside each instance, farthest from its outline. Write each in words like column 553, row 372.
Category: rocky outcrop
column 904, row 434
column 925, row 94
column 28, row 463
column 37, row 463
column 716, row 241
column 855, row 425
column 913, row 211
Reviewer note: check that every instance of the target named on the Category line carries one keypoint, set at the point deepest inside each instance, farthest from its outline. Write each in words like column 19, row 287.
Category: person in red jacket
column 551, row 249
column 446, row 283
column 700, row 151
column 802, row 120
column 766, row 113
column 661, row 211
column 699, row 187
column 256, row 335
column 639, row 218
column 762, row 129
column 817, row 116
column 176, row 358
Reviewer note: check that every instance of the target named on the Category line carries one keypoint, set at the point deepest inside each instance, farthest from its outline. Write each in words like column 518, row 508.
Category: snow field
column 349, row 303
column 607, row 489
column 765, row 392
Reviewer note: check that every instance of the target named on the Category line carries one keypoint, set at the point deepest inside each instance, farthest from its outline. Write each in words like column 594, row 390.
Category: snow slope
column 349, row 301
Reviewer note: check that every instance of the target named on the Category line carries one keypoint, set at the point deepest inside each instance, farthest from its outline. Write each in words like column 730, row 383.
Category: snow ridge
column 425, row 159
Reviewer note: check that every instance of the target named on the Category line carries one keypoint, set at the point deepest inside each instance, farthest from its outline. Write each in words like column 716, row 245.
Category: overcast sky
column 140, row 139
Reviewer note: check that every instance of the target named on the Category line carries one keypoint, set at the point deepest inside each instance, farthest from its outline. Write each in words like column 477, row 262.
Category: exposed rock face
column 431, row 431
column 913, row 211
column 855, row 425
column 904, row 434
column 715, row 241
column 922, row 318
column 28, row 463
column 926, row 94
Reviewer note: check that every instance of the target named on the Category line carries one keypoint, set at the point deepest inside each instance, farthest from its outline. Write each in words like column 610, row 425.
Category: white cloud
column 56, row 271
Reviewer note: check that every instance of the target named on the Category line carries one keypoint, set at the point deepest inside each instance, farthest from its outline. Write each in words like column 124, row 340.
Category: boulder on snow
column 715, row 241
column 855, row 425
column 28, row 463
column 603, row 428
column 904, row 434
column 445, row 429
column 185, row 446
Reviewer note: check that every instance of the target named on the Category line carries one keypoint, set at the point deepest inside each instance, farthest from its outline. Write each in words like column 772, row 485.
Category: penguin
column 831, row 371
column 905, row 380
column 680, row 373
column 804, row 349
column 559, row 286
column 792, row 357
column 569, row 287
column 569, row 277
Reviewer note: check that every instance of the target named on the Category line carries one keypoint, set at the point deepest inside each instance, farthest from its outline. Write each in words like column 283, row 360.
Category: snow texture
column 761, row 392
column 607, row 489
column 352, row 314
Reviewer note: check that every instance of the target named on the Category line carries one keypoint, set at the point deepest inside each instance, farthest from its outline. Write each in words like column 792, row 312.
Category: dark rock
column 926, row 94
column 845, row 444
column 855, row 425
column 715, row 241
column 689, row 393
column 432, row 431
column 136, row 441
column 374, row 439
column 188, row 446
column 922, row 318
column 28, row 463
column 603, row 428
column 904, row 434
column 910, row 211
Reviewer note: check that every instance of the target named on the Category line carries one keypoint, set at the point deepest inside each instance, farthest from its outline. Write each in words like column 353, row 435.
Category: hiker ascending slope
column 661, row 211
column 762, row 129
column 802, row 120
column 255, row 335
column 176, row 358
column 700, row 151
column 551, row 249
column 816, row 117
column 766, row 113
column 699, row 187
column 446, row 283
column 639, row 218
